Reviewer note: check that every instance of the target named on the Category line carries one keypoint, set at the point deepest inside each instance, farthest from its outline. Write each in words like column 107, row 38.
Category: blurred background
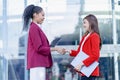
column 63, row 28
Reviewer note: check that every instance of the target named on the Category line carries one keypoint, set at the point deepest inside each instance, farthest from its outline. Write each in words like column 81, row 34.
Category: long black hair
column 93, row 25
column 28, row 14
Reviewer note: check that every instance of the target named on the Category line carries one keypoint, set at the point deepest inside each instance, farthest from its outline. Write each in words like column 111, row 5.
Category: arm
column 59, row 50
column 73, row 52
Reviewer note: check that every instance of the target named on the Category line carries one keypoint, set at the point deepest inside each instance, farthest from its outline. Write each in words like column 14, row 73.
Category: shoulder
column 94, row 37
column 94, row 34
column 33, row 25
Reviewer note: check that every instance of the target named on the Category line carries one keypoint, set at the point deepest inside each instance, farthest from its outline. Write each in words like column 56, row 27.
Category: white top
column 84, row 41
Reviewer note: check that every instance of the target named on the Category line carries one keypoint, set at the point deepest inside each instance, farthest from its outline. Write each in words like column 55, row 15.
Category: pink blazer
column 38, row 49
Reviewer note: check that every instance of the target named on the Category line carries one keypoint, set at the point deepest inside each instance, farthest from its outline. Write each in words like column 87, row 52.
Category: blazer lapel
column 88, row 37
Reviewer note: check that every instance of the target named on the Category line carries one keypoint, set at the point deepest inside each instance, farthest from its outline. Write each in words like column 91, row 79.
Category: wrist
column 53, row 49
column 69, row 51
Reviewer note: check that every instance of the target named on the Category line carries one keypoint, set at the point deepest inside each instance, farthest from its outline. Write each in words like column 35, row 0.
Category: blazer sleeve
column 75, row 52
column 37, row 42
column 94, row 56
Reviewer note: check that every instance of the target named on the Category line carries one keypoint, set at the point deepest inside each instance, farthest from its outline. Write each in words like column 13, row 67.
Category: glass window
column 14, row 31
column 61, row 24
column 118, row 30
column 36, row 2
column 1, row 44
column 104, row 16
column 1, row 6
column 15, row 7
column 106, row 30
column 96, row 5
column 118, row 22
column 15, row 64
column 0, row 30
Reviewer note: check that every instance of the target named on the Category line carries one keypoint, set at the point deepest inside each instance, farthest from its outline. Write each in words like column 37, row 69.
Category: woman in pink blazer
column 91, row 46
column 38, row 49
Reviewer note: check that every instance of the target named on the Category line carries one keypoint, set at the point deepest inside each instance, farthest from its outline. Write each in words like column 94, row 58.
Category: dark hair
column 28, row 14
column 93, row 22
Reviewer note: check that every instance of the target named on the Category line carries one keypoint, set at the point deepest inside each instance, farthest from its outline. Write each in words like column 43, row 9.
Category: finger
column 77, row 70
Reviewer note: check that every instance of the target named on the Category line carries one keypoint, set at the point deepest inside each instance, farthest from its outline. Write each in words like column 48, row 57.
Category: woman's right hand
column 59, row 50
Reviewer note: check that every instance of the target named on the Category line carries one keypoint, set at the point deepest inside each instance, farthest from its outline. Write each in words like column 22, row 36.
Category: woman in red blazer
column 38, row 49
column 91, row 46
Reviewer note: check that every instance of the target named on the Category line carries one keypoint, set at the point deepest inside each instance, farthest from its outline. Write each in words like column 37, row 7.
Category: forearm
column 73, row 53
column 53, row 49
column 59, row 50
column 44, row 50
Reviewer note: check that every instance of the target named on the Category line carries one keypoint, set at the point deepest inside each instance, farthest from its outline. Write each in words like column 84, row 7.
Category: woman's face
column 40, row 17
column 86, row 25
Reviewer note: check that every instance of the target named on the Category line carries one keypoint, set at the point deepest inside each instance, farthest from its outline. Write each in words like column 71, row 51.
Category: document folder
column 87, row 71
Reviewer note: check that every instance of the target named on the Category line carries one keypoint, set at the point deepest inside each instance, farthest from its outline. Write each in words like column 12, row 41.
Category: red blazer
column 38, row 50
column 92, row 48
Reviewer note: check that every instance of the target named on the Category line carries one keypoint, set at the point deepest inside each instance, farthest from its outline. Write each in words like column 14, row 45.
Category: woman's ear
column 35, row 14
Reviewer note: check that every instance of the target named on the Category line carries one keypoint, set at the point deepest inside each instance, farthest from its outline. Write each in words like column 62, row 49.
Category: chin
column 40, row 23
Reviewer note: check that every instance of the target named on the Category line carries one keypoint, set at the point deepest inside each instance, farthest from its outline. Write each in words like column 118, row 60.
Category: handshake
column 60, row 50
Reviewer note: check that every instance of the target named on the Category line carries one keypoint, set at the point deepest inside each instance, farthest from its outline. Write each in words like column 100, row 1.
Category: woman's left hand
column 78, row 67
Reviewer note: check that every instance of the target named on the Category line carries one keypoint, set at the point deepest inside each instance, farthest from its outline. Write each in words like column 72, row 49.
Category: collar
column 37, row 24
